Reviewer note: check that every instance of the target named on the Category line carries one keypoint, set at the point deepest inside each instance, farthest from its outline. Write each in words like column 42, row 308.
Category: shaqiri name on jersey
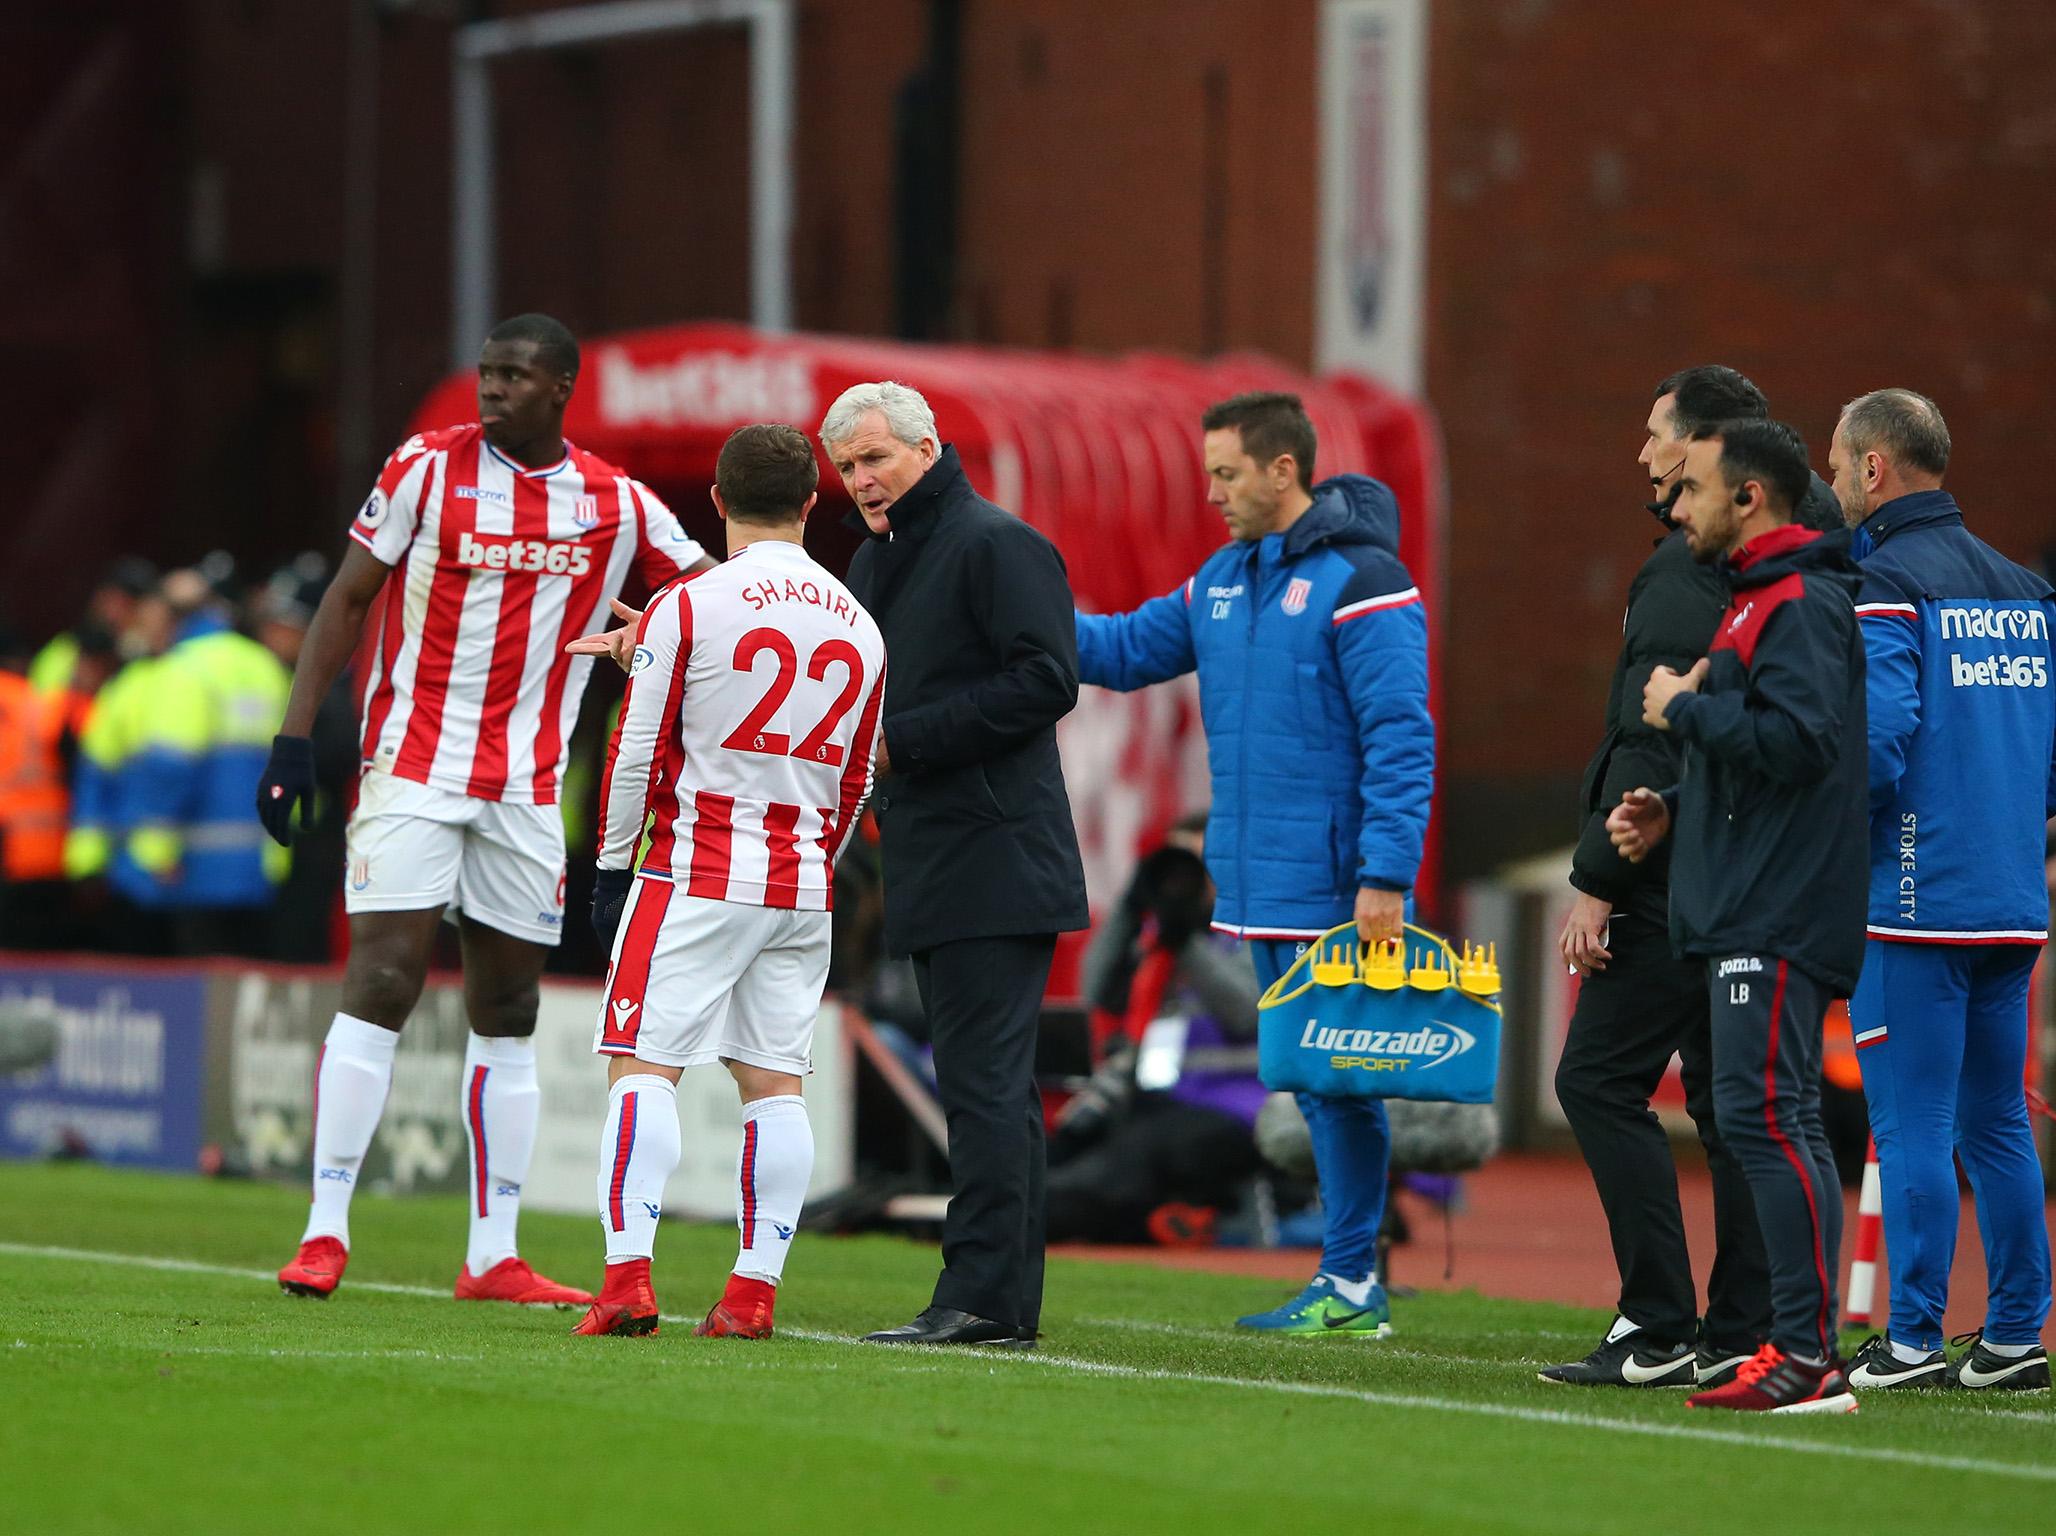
column 748, row 732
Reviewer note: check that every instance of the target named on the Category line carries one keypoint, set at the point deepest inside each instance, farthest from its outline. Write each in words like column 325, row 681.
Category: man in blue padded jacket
column 1962, row 733
column 1311, row 647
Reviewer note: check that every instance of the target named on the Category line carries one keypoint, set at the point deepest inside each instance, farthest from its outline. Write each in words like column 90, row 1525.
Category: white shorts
column 696, row 981
column 413, row 846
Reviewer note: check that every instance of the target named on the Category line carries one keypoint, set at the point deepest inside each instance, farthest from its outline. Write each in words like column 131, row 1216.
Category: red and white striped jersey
column 498, row 568
column 747, row 737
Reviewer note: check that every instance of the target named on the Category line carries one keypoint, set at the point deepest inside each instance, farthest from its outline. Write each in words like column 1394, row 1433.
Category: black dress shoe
column 946, row 1325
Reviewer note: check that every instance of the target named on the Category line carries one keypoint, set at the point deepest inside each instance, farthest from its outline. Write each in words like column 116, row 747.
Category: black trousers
column 1631, row 1017
column 984, row 1004
column 1767, row 1018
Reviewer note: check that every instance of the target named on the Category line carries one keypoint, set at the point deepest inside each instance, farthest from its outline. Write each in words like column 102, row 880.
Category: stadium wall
column 1832, row 196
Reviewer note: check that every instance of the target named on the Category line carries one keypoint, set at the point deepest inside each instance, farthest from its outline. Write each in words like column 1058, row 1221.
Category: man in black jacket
column 1769, row 874
column 1639, row 1003
column 980, row 858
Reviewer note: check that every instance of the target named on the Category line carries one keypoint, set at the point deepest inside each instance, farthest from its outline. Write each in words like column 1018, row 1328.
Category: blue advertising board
column 125, row 1080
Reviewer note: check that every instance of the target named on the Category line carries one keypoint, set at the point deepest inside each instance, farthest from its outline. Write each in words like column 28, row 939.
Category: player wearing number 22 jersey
column 744, row 755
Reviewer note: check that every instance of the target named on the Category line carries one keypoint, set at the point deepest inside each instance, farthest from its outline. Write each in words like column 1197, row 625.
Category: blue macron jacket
column 1312, row 653
column 1962, row 729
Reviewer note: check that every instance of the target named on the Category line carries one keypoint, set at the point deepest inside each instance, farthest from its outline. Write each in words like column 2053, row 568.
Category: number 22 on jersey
column 752, row 734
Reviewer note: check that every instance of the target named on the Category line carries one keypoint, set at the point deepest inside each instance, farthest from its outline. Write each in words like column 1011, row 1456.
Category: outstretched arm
column 1126, row 651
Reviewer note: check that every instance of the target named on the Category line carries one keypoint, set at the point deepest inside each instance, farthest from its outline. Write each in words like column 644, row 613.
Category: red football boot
column 512, row 1280
column 743, row 1312
column 1771, row 1381
column 316, row 1270
column 626, row 1303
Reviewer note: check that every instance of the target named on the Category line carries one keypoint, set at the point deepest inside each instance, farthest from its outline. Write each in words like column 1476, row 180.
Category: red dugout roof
column 1100, row 453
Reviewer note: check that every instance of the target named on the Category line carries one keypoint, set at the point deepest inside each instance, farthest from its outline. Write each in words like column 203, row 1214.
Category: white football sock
column 1621, row 1328
column 351, row 1077
column 2010, row 1351
column 771, row 1174
column 500, row 1106
column 639, row 1150
column 1355, row 1292
column 1907, row 1354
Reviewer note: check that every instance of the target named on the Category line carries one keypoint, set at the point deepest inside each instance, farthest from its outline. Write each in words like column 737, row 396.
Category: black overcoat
column 981, row 653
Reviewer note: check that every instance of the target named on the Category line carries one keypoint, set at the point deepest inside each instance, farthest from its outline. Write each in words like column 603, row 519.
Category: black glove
column 288, row 781
column 610, row 895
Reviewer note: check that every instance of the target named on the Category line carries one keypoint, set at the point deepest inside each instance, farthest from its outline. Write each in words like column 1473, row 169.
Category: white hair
column 907, row 414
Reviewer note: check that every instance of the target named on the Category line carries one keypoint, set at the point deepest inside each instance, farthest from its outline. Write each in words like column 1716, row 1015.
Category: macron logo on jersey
column 624, row 1010
column 1994, row 624
column 501, row 552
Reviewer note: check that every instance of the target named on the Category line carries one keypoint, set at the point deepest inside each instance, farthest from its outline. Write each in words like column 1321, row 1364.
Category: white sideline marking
column 1384, row 1349
column 1027, row 1359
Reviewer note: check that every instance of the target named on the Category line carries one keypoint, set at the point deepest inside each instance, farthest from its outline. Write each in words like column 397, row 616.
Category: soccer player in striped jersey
column 745, row 748
column 501, row 541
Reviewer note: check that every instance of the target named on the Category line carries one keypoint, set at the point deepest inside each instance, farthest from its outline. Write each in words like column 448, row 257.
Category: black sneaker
column 1715, row 1364
column 1978, row 1368
column 1876, row 1366
column 1629, row 1359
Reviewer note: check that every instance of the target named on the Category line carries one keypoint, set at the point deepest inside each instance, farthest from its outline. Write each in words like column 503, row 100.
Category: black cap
column 131, row 574
column 293, row 591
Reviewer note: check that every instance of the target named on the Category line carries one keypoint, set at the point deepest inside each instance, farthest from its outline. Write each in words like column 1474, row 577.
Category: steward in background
column 110, row 610
column 35, row 732
column 202, row 734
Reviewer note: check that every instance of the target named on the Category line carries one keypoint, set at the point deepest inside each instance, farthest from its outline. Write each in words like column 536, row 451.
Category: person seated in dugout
column 1162, row 1138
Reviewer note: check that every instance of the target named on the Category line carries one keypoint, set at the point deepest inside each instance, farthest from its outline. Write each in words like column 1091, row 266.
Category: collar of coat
column 914, row 515
column 1917, row 509
column 1785, row 550
column 1780, row 540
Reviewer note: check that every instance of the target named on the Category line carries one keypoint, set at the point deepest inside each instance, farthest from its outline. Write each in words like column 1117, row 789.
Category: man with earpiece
column 1770, row 834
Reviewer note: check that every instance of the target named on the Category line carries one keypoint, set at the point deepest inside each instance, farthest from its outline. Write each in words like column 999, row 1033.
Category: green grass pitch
column 154, row 1380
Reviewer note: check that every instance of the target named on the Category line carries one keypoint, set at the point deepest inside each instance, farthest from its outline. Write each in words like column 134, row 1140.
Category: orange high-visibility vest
column 33, row 802
column 1839, row 1063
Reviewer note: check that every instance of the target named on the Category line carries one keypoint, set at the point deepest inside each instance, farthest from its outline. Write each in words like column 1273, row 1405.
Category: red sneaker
column 1773, row 1382
column 317, row 1268
column 512, row 1280
column 626, row 1304
column 743, row 1312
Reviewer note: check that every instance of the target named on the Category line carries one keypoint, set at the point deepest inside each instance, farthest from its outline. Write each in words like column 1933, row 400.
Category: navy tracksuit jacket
column 1767, row 886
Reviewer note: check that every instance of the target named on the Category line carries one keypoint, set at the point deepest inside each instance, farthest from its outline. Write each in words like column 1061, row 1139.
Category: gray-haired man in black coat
column 980, row 856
